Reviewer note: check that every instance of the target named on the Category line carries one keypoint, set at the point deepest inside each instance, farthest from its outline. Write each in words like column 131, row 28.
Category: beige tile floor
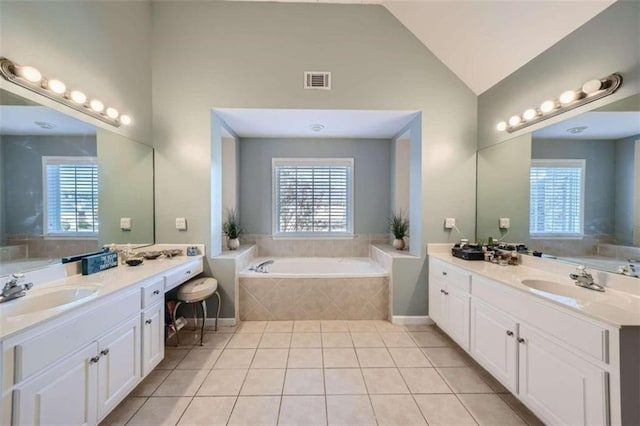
column 320, row 372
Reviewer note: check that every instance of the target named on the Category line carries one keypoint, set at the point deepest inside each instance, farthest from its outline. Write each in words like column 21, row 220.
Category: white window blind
column 313, row 196
column 71, row 196
column 556, row 197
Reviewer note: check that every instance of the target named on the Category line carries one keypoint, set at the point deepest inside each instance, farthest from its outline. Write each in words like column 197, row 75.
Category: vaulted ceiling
column 483, row 41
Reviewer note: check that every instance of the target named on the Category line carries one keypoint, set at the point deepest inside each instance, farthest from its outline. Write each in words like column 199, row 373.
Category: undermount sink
column 47, row 299
column 555, row 288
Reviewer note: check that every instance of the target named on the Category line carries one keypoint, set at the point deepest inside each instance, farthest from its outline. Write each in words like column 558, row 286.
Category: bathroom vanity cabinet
column 564, row 365
column 75, row 368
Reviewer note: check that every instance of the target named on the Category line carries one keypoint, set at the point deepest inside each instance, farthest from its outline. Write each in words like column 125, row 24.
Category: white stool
column 197, row 290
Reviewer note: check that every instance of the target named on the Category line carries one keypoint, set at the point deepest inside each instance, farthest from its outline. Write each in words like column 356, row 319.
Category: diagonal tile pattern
column 329, row 372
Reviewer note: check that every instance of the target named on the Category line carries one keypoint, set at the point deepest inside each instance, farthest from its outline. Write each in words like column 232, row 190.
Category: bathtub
column 317, row 267
column 314, row 288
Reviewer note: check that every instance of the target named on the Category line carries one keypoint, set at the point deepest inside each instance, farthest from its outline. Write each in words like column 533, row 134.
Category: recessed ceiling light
column 45, row 125
column 317, row 127
column 577, row 129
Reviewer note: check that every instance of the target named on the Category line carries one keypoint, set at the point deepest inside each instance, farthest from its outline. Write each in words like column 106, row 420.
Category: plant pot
column 398, row 244
column 233, row 243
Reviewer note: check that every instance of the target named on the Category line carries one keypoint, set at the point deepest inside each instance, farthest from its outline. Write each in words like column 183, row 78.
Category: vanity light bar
column 590, row 91
column 30, row 78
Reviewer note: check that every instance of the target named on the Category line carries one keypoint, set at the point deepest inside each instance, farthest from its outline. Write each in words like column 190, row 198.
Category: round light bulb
column 125, row 119
column 56, row 86
column 515, row 120
column 591, row 86
column 96, row 105
column 547, row 106
column 568, row 97
column 30, row 74
column 501, row 126
column 112, row 113
column 530, row 114
column 78, row 97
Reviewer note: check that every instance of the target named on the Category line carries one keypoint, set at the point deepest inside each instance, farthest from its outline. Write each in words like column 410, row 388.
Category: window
column 557, row 198
column 70, row 196
column 313, row 196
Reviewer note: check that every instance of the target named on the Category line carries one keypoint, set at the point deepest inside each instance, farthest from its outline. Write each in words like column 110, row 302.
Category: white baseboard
column 211, row 322
column 412, row 320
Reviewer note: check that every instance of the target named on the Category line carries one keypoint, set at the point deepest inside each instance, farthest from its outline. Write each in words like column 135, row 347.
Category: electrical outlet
column 450, row 223
column 505, row 223
column 125, row 223
column 181, row 224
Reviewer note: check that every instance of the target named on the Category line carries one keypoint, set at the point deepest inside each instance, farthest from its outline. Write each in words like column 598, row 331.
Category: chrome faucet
column 13, row 288
column 583, row 278
column 261, row 267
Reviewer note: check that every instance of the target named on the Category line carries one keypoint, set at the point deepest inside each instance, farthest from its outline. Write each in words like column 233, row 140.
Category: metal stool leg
column 203, row 305
column 175, row 326
column 218, row 312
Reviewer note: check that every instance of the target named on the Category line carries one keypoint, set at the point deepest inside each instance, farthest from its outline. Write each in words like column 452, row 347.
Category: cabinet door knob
column 509, row 333
column 105, row 352
column 444, row 273
column 149, row 321
column 442, row 291
column 94, row 359
column 520, row 340
column 156, row 292
column 446, row 293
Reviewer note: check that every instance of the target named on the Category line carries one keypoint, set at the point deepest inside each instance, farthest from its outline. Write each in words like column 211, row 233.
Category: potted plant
column 231, row 228
column 399, row 228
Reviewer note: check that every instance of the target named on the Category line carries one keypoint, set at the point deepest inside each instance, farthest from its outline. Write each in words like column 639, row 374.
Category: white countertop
column 106, row 282
column 614, row 307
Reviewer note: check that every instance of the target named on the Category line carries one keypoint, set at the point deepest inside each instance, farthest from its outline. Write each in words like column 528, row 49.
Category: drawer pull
column 444, row 273
column 442, row 291
column 446, row 293
column 188, row 272
column 94, row 360
column 509, row 333
column 105, row 352
column 149, row 321
column 156, row 291
column 520, row 340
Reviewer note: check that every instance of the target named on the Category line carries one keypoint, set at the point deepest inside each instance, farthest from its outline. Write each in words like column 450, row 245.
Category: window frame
column 61, row 161
column 561, row 163
column 327, row 162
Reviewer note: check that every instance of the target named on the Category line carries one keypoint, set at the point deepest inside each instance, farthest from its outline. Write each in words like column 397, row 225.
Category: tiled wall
column 588, row 246
column 619, row 252
column 313, row 298
column 358, row 246
column 39, row 247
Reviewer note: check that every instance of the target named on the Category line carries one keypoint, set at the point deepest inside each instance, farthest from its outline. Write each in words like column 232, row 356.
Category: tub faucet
column 261, row 267
column 14, row 289
column 583, row 278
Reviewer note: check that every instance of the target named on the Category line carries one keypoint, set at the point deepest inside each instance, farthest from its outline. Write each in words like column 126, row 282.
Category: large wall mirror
column 571, row 190
column 65, row 184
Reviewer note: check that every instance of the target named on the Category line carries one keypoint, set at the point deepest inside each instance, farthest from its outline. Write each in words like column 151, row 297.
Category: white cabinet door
column 65, row 394
column 457, row 316
column 119, row 365
column 560, row 387
column 152, row 337
column 437, row 301
column 494, row 343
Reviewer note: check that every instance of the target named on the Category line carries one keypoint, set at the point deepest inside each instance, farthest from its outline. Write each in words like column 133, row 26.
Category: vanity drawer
column 584, row 335
column 51, row 345
column 182, row 274
column 451, row 275
column 152, row 292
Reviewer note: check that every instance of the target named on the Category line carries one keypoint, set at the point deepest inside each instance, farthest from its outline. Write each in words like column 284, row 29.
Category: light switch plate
column 181, row 224
column 125, row 223
column 450, row 223
column 505, row 223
